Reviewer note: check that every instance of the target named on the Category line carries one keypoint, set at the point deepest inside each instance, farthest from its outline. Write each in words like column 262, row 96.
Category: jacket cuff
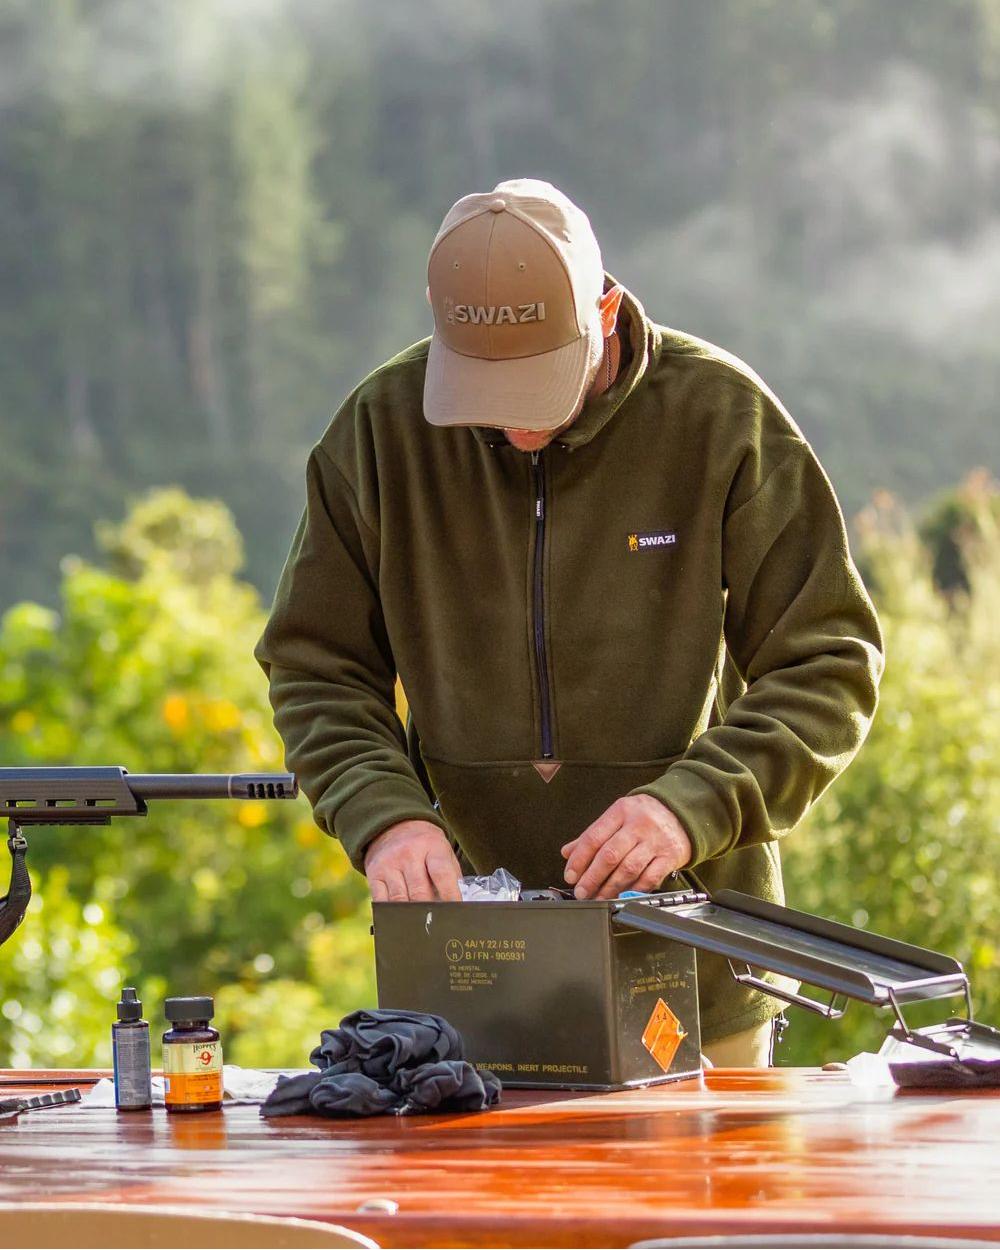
column 373, row 809
column 700, row 808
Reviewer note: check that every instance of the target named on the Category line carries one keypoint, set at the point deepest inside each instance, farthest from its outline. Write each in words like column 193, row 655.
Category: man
column 613, row 579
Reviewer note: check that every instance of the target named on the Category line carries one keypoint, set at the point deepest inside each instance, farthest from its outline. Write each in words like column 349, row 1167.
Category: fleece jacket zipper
column 538, row 606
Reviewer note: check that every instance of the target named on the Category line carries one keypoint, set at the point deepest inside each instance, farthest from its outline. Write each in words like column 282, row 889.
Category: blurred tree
column 58, row 976
column 214, row 220
column 907, row 842
column 958, row 526
column 281, row 231
column 151, row 667
column 195, row 541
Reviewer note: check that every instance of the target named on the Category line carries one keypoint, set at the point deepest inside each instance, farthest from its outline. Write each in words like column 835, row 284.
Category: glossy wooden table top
column 753, row 1152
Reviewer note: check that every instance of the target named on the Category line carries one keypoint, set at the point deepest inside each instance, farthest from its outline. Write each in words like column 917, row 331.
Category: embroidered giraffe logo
column 633, row 542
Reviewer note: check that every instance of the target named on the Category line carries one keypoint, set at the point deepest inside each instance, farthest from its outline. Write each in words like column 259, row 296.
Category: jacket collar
column 597, row 412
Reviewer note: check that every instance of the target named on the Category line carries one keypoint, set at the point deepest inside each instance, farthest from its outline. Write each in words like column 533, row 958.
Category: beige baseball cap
column 514, row 279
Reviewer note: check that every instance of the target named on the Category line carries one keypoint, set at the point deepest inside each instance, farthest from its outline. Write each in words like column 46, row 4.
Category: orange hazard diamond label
column 663, row 1034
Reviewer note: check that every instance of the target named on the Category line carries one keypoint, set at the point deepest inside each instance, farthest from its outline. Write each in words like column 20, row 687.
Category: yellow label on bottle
column 192, row 1072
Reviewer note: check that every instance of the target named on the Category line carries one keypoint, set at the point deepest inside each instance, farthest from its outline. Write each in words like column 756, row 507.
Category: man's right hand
column 412, row 862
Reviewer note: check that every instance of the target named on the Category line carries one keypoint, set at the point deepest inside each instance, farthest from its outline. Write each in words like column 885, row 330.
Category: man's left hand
column 633, row 846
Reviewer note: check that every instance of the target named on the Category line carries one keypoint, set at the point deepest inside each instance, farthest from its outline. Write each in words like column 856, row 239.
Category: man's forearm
column 348, row 752
column 753, row 777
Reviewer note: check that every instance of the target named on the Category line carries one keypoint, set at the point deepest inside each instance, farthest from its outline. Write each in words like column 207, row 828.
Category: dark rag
column 386, row 1062
column 381, row 1043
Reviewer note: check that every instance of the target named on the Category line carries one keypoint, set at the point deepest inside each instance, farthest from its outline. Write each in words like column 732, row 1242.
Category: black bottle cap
column 189, row 1008
column 130, row 1007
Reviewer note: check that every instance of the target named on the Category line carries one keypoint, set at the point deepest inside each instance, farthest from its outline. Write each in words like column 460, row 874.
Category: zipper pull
column 539, row 495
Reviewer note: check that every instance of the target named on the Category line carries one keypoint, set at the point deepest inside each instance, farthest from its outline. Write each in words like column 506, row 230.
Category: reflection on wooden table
column 783, row 1150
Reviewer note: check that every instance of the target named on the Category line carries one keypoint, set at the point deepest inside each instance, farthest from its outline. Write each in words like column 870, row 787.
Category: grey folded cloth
column 380, row 1043
column 350, row 1093
column 450, row 1085
column 386, row 1062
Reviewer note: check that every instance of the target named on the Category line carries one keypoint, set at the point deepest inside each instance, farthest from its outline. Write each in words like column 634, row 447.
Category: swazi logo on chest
column 655, row 538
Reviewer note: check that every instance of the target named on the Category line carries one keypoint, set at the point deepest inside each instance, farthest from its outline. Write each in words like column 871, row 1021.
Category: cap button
column 497, row 205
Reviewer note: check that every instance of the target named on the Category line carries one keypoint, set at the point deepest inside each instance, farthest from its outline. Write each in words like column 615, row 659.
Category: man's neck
column 607, row 371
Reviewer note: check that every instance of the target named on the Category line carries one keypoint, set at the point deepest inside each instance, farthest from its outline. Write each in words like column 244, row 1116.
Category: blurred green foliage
column 907, row 841
column 59, row 973
column 148, row 663
column 151, row 667
column 955, row 527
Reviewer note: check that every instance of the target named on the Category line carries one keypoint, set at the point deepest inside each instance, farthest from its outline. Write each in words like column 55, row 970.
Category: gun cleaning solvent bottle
column 130, row 1052
column 192, row 1056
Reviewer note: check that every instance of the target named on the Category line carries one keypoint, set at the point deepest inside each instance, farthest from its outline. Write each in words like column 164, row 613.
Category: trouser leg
column 753, row 1048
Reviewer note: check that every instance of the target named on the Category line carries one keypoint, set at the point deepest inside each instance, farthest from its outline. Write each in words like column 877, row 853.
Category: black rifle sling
column 14, row 903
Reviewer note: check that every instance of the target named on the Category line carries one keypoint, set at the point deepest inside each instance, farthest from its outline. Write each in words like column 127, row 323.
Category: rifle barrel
column 213, row 785
column 92, row 796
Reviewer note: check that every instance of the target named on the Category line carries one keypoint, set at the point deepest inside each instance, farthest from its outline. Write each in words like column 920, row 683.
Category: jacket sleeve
column 804, row 637
column 326, row 654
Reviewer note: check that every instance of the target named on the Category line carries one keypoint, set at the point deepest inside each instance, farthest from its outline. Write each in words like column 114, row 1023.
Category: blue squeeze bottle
column 130, row 1050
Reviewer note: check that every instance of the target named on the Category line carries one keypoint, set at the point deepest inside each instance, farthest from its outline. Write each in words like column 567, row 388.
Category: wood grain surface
column 752, row 1152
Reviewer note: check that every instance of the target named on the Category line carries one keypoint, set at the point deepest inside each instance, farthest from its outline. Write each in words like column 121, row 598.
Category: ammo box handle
column 629, row 919
column 831, row 1010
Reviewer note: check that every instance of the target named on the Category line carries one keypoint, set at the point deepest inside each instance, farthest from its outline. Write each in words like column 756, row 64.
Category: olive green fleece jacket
column 664, row 604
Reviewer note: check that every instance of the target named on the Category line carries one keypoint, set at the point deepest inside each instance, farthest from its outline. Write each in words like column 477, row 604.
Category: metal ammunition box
column 545, row 993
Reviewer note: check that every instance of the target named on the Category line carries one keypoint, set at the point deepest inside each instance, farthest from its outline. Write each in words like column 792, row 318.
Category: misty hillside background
column 215, row 218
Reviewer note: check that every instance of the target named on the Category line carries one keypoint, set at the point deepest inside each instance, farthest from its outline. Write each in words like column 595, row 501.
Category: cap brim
column 526, row 393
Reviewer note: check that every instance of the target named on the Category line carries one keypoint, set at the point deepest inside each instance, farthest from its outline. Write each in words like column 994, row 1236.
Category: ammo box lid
column 845, row 961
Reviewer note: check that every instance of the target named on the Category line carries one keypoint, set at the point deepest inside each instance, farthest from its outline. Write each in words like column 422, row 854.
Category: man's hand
column 412, row 862
column 633, row 846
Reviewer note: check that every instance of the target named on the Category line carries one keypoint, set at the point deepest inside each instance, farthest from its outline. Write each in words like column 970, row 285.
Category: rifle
column 96, row 796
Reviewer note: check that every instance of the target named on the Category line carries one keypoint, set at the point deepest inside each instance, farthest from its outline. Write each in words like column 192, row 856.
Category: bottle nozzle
column 130, row 1007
